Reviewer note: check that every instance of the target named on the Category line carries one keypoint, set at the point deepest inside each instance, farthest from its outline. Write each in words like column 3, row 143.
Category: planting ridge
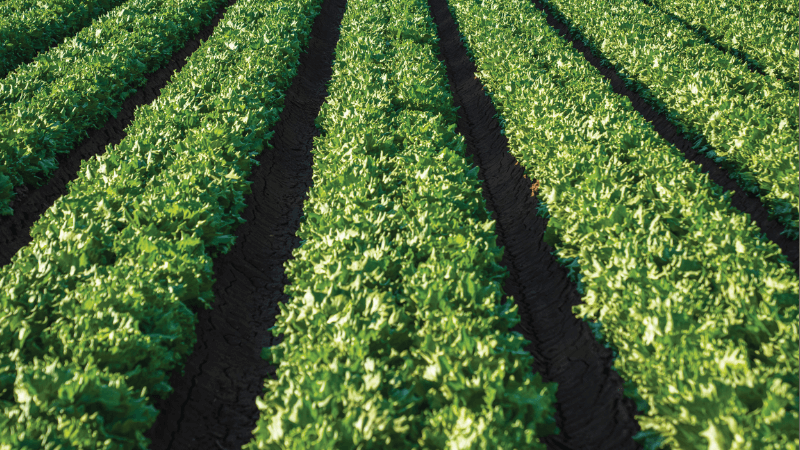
column 50, row 104
column 669, row 132
column 744, row 121
column 31, row 202
column 326, row 227
column 97, row 308
column 35, row 26
column 591, row 411
column 699, row 309
column 754, row 33
column 213, row 402
column 395, row 335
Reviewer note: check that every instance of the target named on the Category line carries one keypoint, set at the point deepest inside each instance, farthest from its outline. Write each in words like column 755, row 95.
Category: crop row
column 700, row 309
column 48, row 106
column 790, row 9
column 759, row 31
column 96, row 310
column 744, row 121
column 395, row 331
column 28, row 27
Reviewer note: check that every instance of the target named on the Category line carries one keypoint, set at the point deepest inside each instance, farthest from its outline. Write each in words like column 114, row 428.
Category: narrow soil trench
column 30, row 203
column 745, row 58
column 592, row 412
column 55, row 42
column 745, row 203
column 213, row 405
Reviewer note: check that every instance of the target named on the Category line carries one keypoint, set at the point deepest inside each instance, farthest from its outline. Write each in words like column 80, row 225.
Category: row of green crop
column 744, row 121
column 759, row 31
column 395, row 335
column 96, row 310
column 29, row 27
column 787, row 8
column 700, row 307
column 48, row 106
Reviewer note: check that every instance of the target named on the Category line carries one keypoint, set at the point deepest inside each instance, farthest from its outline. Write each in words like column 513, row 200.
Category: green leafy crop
column 49, row 105
column 395, row 335
column 28, row 27
column 98, row 308
column 699, row 307
column 762, row 31
column 745, row 122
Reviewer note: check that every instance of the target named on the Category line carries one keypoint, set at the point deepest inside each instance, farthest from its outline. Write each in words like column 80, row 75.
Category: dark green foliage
column 28, row 27
column 700, row 310
column 744, row 121
column 49, row 105
column 395, row 335
column 98, row 308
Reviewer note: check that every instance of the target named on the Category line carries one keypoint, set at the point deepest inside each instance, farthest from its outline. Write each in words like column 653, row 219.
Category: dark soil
column 592, row 412
column 55, row 41
column 213, row 405
column 744, row 202
column 30, row 203
column 752, row 64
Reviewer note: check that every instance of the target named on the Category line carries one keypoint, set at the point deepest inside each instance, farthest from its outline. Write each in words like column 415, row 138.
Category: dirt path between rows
column 30, row 203
column 591, row 413
column 213, row 405
column 743, row 202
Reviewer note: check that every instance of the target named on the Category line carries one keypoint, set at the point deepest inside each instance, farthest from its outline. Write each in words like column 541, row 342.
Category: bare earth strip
column 745, row 203
column 213, row 405
column 592, row 412
column 29, row 203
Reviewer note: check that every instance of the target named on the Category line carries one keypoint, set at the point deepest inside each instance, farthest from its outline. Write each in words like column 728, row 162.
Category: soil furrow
column 747, row 204
column 592, row 412
column 738, row 53
column 30, row 203
column 56, row 41
column 213, row 406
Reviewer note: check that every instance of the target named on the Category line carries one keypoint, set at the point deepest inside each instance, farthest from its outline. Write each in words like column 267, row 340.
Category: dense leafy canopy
column 48, row 106
column 96, row 310
column 700, row 307
column 763, row 31
column 28, row 27
column 396, row 335
column 744, row 121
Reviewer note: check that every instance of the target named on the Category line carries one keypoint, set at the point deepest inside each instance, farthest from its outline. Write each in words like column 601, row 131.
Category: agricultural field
column 405, row 224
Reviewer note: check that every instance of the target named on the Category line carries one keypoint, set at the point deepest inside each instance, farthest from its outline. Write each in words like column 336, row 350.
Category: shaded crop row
column 395, row 332
column 97, row 309
column 744, row 121
column 758, row 32
column 29, row 27
column 49, row 105
column 699, row 308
